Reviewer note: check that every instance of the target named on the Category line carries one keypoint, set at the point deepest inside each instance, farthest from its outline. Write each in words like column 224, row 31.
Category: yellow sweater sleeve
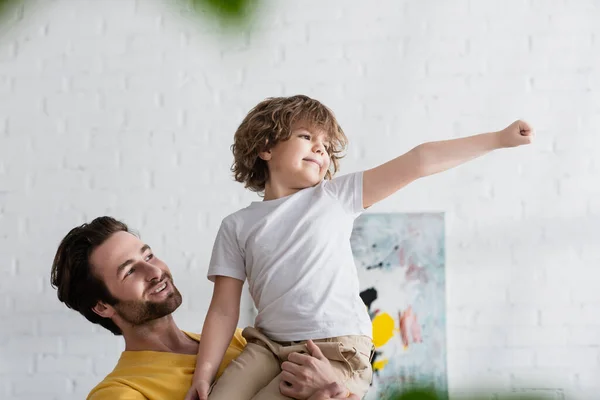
column 116, row 393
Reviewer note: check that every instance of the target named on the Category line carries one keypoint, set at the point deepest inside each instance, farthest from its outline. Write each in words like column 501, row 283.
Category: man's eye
column 149, row 257
column 129, row 272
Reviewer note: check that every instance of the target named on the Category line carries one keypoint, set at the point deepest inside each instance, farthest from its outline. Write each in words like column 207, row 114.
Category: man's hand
column 333, row 391
column 198, row 391
column 304, row 374
column 516, row 134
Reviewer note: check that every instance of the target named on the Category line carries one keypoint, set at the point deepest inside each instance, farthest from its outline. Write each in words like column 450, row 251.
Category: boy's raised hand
column 516, row 134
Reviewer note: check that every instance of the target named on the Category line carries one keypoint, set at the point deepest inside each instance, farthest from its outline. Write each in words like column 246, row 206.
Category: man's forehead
column 118, row 248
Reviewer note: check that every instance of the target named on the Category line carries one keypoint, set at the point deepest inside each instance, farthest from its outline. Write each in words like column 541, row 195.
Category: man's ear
column 103, row 309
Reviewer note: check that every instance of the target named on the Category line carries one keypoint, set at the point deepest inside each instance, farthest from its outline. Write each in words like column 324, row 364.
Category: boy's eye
column 149, row 257
column 129, row 272
column 305, row 137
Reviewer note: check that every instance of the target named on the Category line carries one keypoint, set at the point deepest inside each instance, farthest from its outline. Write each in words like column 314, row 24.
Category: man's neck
column 159, row 335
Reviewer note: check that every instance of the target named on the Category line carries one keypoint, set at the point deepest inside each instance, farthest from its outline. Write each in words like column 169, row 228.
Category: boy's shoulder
column 237, row 217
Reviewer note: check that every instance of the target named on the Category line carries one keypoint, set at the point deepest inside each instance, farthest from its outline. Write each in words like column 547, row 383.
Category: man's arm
column 434, row 157
column 219, row 327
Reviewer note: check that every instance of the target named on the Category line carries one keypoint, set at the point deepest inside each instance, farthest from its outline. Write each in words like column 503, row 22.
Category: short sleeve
column 227, row 259
column 348, row 190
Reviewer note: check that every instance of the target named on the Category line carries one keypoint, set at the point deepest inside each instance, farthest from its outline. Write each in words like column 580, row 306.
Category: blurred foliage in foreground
column 227, row 13
column 430, row 394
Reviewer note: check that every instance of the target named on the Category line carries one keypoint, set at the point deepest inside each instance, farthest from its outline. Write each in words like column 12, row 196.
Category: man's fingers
column 291, row 367
column 332, row 391
column 299, row 358
column 314, row 350
column 287, row 390
column 288, row 377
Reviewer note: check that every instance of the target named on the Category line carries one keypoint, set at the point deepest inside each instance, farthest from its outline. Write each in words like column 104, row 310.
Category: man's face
column 139, row 281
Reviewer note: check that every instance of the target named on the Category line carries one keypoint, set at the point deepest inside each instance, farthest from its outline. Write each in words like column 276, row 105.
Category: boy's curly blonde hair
column 269, row 123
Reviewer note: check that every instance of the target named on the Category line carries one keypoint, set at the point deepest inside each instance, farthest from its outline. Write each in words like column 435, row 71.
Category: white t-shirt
column 295, row 252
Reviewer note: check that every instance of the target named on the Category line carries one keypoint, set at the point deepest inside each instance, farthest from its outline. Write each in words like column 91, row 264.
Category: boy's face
column 301, row 161
column 140, row 282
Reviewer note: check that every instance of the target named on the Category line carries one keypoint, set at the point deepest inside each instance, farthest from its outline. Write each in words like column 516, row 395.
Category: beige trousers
column 254, row 374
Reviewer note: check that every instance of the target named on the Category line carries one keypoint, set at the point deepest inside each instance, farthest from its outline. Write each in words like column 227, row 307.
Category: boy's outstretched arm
column 433, row 157
column 217, row 332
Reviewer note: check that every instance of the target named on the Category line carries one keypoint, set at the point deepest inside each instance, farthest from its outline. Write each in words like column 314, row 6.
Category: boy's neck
column 274, row 191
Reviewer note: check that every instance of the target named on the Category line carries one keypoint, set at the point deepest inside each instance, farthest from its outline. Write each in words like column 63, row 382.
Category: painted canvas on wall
column 401, row 268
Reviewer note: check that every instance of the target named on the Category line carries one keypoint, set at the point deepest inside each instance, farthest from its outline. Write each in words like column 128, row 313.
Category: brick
column 539, row 294
column 476, row 337
column 82, row 345
column 32, row 345
column 16, row 325
column 543, row 377
column 509, row 316
column 83, row 384
column 568, row 357
column 565, row 315
column 478, row 294
column 583, row 336
column 66, row 364
column 16, row 285
column 39, row 385
column 54, row 324
column 17, row 366
column 537, row 337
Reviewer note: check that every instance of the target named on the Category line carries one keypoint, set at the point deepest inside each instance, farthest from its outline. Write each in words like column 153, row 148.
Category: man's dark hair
column 72, row 274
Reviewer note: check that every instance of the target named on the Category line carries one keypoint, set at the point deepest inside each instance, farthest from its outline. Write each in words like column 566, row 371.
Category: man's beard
column 139, row 312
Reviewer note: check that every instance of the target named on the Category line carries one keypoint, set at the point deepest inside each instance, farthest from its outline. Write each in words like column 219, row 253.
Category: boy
column 294, row 248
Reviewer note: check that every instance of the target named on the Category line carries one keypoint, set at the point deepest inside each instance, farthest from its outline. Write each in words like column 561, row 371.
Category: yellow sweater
column 155, row 375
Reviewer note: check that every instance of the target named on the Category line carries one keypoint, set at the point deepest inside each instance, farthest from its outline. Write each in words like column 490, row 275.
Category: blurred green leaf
column 7, row 7
column 417, row 394
column 227, row 13
column 414, row 393
column 225, row 8
column 232, row 13
column 424, row 393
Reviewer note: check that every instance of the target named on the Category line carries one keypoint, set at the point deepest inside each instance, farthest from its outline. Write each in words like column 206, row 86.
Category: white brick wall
column 122, row 107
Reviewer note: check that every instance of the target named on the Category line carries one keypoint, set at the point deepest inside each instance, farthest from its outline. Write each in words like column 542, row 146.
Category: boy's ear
column 103, row 310
column 265, row 155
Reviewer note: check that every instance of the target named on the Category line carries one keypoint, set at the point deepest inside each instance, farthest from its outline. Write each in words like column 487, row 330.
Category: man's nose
column 153, row 273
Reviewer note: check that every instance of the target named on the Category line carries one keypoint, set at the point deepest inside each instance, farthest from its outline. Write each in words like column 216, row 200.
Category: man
column 112, row 278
